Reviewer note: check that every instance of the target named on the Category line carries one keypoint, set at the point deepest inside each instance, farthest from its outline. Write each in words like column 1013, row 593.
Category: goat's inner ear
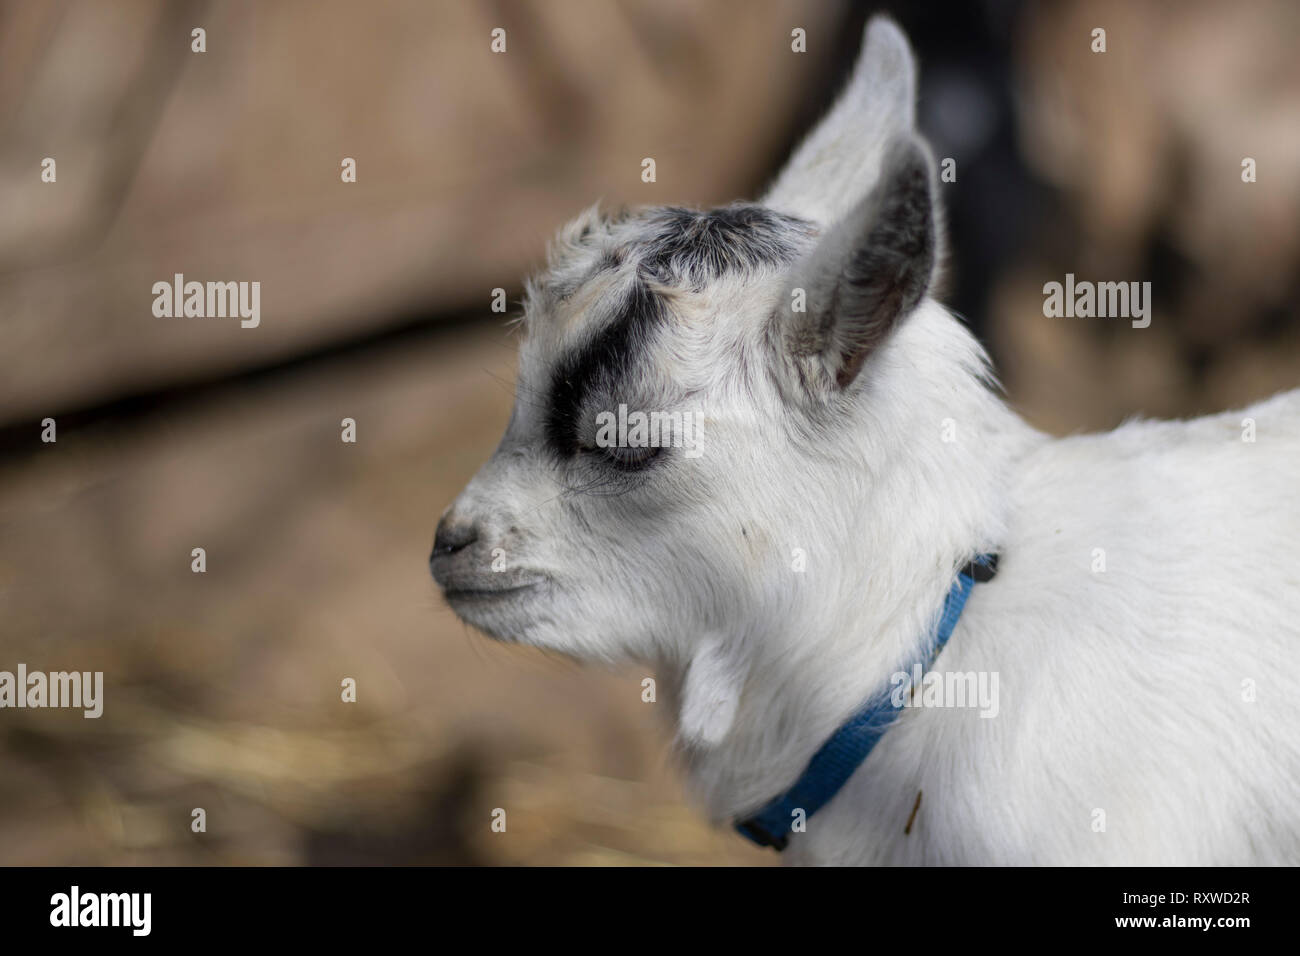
column 866, row 274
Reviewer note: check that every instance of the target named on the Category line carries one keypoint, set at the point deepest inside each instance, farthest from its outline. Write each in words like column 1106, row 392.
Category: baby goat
column 789, row 569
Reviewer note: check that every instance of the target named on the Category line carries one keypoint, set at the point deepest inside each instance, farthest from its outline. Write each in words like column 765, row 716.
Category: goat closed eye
column 629, row 458
column 625, row 457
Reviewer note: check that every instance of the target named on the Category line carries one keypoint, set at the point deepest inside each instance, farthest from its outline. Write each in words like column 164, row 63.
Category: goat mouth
column 477, row 595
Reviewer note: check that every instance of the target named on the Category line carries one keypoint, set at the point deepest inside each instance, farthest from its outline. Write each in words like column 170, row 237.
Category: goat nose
column 453, row 535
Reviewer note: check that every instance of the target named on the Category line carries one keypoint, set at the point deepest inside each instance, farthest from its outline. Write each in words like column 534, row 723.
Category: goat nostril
column 453, row 535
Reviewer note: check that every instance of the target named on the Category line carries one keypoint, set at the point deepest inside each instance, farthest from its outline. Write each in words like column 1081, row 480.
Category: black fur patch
column 603, row 361
column 668, row 245
column 699, row 246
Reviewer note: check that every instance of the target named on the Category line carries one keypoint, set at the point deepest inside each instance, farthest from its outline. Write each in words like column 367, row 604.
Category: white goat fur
column 1121, row 691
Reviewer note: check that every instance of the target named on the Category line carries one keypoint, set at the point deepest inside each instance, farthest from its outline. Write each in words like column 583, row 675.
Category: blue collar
column 841, row 755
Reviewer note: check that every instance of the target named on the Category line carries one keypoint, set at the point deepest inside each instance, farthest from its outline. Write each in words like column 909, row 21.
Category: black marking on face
column 602, row 363
column 667, row 246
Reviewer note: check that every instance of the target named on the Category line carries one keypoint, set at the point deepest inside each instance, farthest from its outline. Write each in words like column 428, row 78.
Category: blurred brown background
column 222, row 689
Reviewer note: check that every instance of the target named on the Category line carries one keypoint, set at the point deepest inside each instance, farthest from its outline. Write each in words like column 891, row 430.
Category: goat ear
column 841, row 158
column 710, row 693
column 863, row 277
